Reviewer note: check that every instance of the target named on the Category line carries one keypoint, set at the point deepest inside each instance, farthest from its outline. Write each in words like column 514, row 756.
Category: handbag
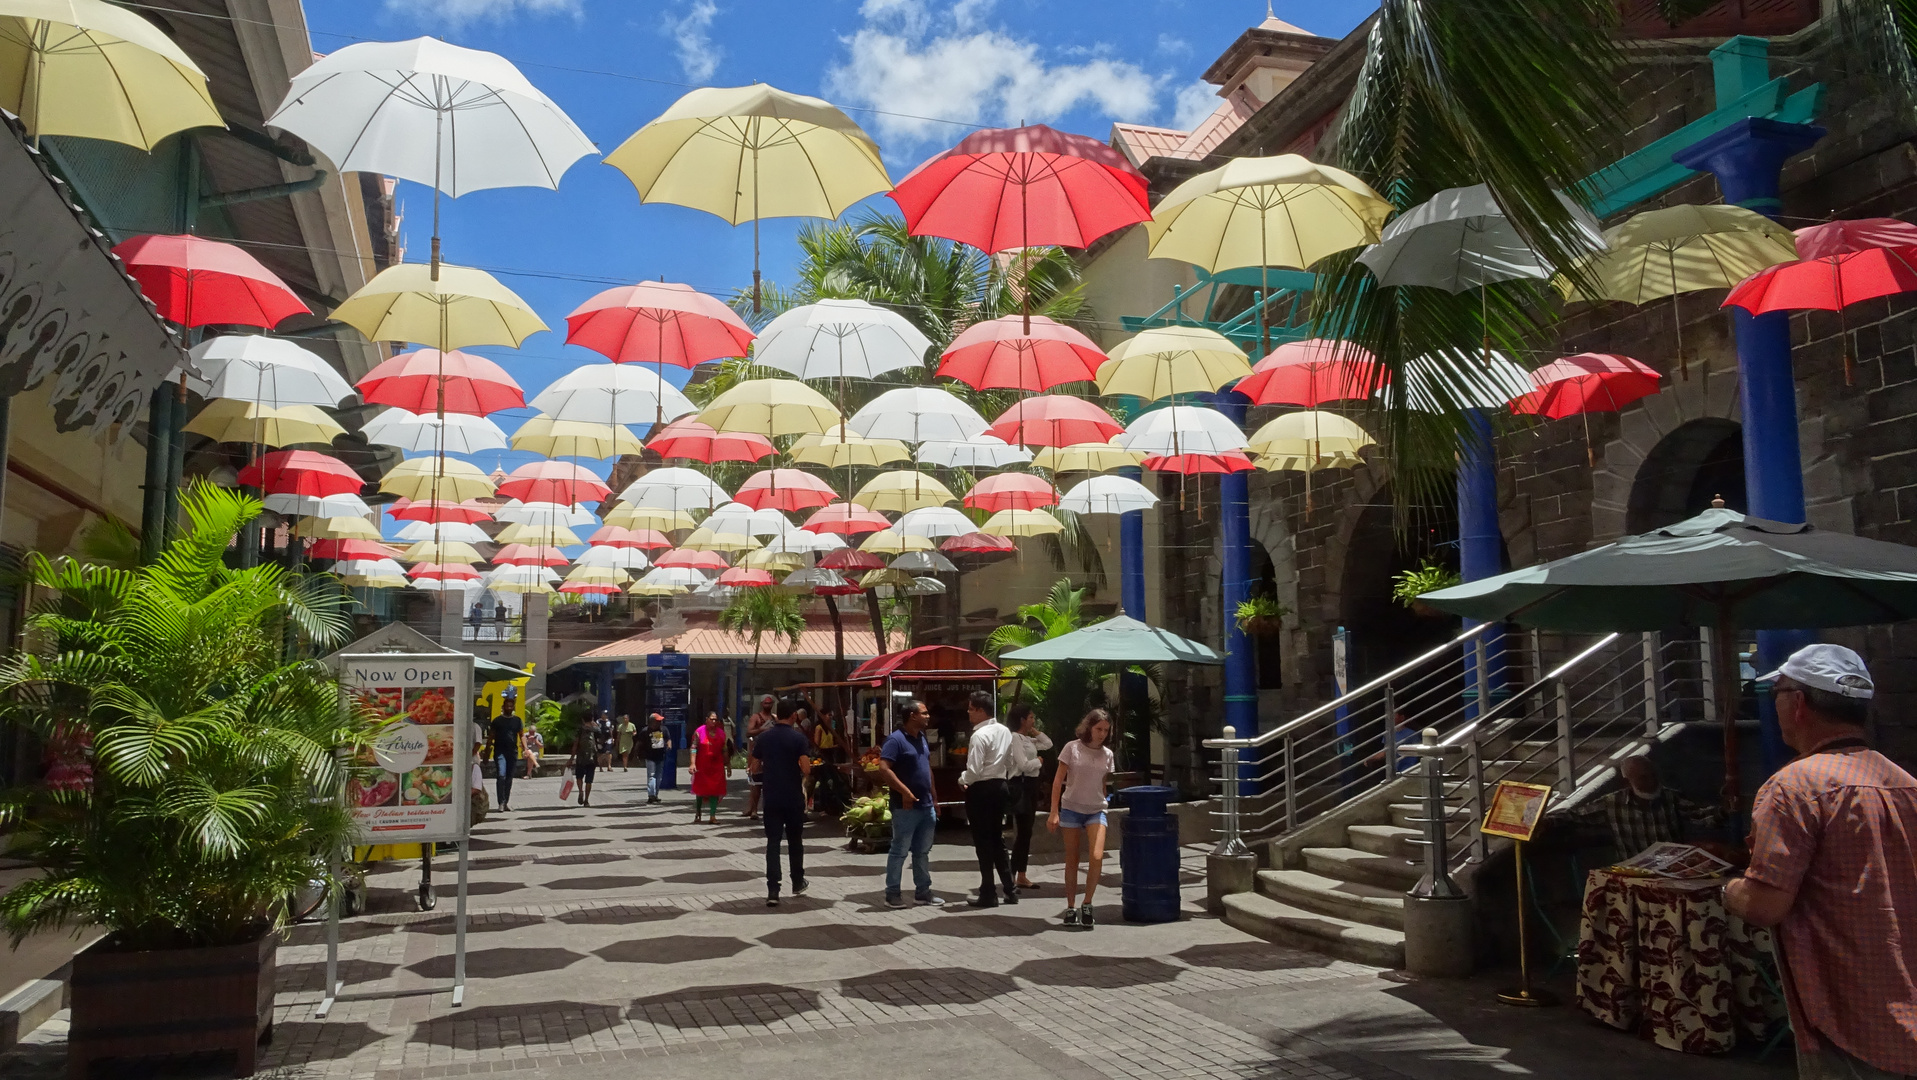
column 565, row 789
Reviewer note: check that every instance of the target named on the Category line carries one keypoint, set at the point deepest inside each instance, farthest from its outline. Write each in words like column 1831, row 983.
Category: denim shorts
column 1072, row 819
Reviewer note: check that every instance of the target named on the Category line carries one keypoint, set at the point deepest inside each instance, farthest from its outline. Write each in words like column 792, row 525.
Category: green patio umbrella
column 1118, row 640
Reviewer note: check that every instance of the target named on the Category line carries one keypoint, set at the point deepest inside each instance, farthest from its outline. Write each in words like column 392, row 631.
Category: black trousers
column 986, row 804
column 783, row 822
column 1024, row 812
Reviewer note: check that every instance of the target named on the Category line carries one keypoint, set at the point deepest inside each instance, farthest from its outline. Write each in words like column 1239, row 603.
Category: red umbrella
column 442, row 510
column 1586, row 383
column 1230, row 461
column 1011, row 491
column 589, row 587
column 1840, row 264
column 659, row 323
column 619, row 536
column 694, row 560
column 351, row 549
column 784, row 489
column 686, row 437
column 999, row 354
column 301, row 472
column 432, row 571
column 845, row 518
column 196, row 282
column 850, row 559
column 1310, row 373
column 474, row 385
column 528, row 555
column 1054, row 420
column 1032, row 186
column 746, row 577
column 977, row 543
column 559, row 482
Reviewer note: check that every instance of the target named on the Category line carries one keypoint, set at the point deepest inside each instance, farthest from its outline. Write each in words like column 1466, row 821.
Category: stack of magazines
column 1671, row 860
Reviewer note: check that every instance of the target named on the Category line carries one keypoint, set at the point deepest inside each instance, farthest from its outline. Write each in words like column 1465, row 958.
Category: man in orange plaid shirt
column 1833, row 868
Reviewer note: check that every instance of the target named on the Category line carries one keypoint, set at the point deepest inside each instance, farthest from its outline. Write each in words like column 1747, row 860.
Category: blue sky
column 917, row 74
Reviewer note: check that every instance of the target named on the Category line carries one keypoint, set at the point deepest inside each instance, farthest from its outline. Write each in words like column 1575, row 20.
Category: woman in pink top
column 1078, row 804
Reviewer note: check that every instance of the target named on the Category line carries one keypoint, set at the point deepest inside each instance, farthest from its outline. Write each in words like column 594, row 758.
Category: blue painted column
column 1480, row 544
column 1133, row 690
column 1234, row 526
column 1747, row 158
column 602, row 687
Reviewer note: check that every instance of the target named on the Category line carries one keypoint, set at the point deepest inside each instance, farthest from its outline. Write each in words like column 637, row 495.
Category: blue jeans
column 653, row 769
column 506, row 763
column 911, row 834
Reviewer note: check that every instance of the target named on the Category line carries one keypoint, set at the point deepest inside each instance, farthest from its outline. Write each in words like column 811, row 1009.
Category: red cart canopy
column 927, row 662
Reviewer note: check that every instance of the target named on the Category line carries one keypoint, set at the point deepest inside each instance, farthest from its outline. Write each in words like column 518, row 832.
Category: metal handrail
column 1457, row 737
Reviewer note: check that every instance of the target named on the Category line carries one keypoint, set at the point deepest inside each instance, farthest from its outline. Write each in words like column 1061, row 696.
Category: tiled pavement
column 622, row 937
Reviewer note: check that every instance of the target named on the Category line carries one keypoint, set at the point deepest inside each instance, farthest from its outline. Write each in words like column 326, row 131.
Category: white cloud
column 1193, row 102
column 919, row 66
column 698, row 56
column 462, row 11
column 1170, row 45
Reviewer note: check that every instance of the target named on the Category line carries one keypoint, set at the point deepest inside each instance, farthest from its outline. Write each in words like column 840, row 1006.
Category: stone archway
column 1701, row 460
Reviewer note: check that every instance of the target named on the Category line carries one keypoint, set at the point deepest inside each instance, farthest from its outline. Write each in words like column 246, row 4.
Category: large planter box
column 171, row 1001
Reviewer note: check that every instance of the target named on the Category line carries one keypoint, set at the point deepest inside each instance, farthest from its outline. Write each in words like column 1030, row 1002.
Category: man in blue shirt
column 784, row 755
column 905, row 764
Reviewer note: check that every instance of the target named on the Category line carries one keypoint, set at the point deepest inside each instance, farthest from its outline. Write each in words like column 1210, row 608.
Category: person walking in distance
column 905, row 767
column 756, row 725
column 711, row 767
column 1027, row 743
column 535, row 746
column 625, row 731
column 1078, row 806
column 1834, row 869
column 785, row 760
column 508, row 733
column 987, row 780
column 658, row 741
column 585, row 760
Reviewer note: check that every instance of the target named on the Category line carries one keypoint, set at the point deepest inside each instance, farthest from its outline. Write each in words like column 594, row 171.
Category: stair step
column 1350, row 864
column 1404, row 814
column 1383, row 839
column 1362, row 943
column 1351, row 900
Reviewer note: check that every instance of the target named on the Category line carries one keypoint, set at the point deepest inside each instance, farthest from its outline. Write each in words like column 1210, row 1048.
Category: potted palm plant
column 1261, row 615
column 200, row 788
column 1408, row 586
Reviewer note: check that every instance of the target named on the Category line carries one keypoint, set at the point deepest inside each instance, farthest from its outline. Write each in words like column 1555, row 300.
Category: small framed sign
column 412, row 785
column 1515, row 809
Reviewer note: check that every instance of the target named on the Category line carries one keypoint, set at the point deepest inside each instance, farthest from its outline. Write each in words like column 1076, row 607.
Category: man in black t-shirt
column 785, row 760
column 506, row 732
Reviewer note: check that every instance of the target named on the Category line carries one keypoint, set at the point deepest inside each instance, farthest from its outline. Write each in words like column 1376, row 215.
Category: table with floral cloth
column 1662, row 957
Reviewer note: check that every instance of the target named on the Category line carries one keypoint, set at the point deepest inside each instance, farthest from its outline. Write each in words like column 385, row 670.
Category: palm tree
column 1056, row 694
column 764, row 611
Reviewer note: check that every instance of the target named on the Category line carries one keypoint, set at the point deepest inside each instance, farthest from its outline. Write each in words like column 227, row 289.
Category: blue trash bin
column 1148, row 855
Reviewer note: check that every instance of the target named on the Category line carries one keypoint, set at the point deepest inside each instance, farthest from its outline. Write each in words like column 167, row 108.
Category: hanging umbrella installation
column 456, row 433
column 784, row 489
column 553, row 482
column 846, row 519
column 1306, row 442
column 266, row 371
column 1086, row 457
column 1002, row 354
column 197, row 282
column 1108, row 495
column 427, row 382
column 1170, row 360
column 1054, row 420
column 575, row 438
column 1312, row 372
column 675, row 489
column 658, row 323
column 611, row 394
column 1840, row 263
column 1586, row 383
column 982, row 452
column 771, row 407
column 687, row 438
column 836, row 448
column 225, row 420
column 1011, row 491
column 98, row 71
column 903, row 490
column 301, row 472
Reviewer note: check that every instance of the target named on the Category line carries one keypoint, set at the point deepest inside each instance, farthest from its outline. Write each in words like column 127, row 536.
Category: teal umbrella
column 1119, row 640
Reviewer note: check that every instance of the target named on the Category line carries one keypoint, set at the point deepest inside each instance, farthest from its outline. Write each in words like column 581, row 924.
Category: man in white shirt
column 988, row 768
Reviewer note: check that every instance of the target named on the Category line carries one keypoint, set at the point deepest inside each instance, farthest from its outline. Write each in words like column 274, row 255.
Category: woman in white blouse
column 1027, row 743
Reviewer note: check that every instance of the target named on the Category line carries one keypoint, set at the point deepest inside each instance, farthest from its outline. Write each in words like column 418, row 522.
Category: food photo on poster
column 406, row 783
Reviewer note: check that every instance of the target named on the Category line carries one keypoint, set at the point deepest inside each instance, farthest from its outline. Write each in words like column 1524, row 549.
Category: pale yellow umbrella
column 643, row 589
column 704, row 539
column 575, row 438
column 415, row 479
column 337, row 528
column 374, row 581
column 596, row 575
column 98, row 71
column 519, row 586
column 778, row 562
column 461, row 308
column 1086, row 457
column 903, row 490
column 227, row 420
column 1167, row 360
column 751, row 152
column 648, row 517
column 771, row 407
column 1307, row 442
column 894, row 542
column 1021, row 523
column 442, row 551
column 538, row 535
column 838, row 448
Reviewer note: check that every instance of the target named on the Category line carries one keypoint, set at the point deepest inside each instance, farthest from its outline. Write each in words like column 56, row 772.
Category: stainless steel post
column 1474, row 792
column 1707, row 669
column 1291, row 788
column 1567, row 746
column 1437, row 881
column 1391, row 732
column 1230, row 843
column 1650, row 685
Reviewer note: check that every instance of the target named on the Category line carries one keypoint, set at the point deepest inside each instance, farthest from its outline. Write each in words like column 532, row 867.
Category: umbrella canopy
column 846, row 519
column 740, row 517
column 674, row 489
column 1265, row 211
column 649, row 519
column 850, row 559
column 266, row 371
column 554, row 482
column 542, row 535
column 610, row 394
column 94, row 70
column 457, row 433
column 445, row 478
column 1086, row 457
column 779, row 562
column 197, row 282
column 1586, row 383
column 368, row 568
column 1452, row 380
column 983, row 452
column 977, row 543
column 377, row 581
column 1032, row 186
column 1461, row 239
column 934, row 521
column 683, row 577
column 415, row 531
column 800, row 542
column 1169, row 360
column 616, row 536
column 687, row 559
column 444, row 572
column 924, row 562
column 916, row 414
column 301, row 472
column 641, row 588
column 336, row 528
column 893, row 542
column 820, row 582
column 837, row 448
column 1054, row 420
column 348, row 505
column 446, row 551
column 686, row 437
column 658, row 323
column 452, row 118
column 706, row 538
column 746, row 577
column 1108, row 495
column 884, row 576
column 575, row 438
column 1682, row 249
column 1021, row 523
column 540, row 512
column 1230, row 461
column 458, row 308
column 771, row 407
column 1002, row 354
column 1310, row 373
column 618, row 558
column 840, row 339
column 1309, row 441
column 902, row 490
column 443, row 510
column 1182, row 429
column 1119, row 639
column 529, row 555
column 350, row 549
column 244, row 422
column 1011, row 491
column 1842, row 262
column 784, row 489
column 413, row 381
column 591, row 588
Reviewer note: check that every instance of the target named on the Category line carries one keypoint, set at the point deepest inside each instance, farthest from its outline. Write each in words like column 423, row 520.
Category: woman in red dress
column 711, row 766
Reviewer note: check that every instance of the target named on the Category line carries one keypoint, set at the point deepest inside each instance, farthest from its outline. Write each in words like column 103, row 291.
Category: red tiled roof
column 1142, row 142
column 1231, row 113
column 927, row 661
column 708, row 641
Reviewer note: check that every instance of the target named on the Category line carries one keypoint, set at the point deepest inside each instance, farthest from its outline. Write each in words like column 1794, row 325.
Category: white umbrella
column 924, row 562
column 737, row 517
column 984, row 452
column 465, row 585
column 934, row 521
column 331, row 506
column 616, row 558
column 457, row 433
column 368, row 568
column 612, row 394
column 800, row 542
column 449, row 531
column 265, row 371
column 1181, row 429
column 1463, row 379
column 544, row 514
column 507, row 575
column 675, row 489
column 917, row 414
column 1461, row 239
column 813, row 577
column 675, row 577
column 840, row 339
column 1108, row 495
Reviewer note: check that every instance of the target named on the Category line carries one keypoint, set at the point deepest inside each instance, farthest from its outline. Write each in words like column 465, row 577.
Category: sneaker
column 984, row 900
column 772, row 901
column 1071, row 916
column 930, row 901
column 895, row 901
column 799, row 887
column 1085, row 915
